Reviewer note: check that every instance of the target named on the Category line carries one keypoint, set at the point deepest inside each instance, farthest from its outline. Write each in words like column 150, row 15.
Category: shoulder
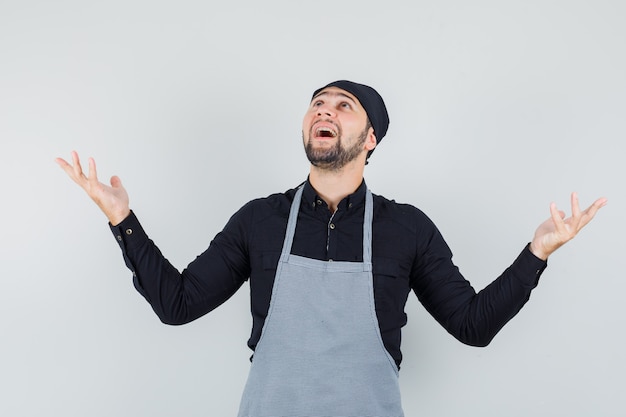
column 410, row 229
column 405, row 215
column 277, row 204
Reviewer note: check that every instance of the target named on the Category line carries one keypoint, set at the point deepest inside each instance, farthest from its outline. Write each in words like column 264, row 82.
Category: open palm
column 557, row 230
column 112, row 199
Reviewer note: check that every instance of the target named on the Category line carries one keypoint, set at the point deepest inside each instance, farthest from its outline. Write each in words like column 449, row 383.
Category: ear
column 370, row 142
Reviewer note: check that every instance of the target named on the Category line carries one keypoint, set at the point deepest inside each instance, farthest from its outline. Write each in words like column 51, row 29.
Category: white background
column 497, row 108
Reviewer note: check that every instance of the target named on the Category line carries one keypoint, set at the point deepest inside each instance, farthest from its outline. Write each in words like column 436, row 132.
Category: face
column 335, row 130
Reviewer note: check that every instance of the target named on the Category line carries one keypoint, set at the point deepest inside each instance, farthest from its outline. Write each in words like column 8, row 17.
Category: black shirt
column 408, row 251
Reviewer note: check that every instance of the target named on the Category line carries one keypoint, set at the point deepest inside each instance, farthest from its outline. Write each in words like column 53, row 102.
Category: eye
column 345, row 105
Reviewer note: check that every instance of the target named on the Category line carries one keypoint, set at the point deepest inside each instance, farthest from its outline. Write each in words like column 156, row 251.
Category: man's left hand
column 558, row 230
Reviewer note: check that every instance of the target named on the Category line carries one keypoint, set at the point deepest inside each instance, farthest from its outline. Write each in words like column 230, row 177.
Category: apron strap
column 291, row 224
column 367, row 230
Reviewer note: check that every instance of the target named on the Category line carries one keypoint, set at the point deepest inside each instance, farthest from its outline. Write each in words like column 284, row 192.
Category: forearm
column 500, row 301
column 475, row 318
column 175, row 297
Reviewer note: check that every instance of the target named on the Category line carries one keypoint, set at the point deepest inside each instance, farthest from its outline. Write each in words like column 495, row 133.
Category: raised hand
column 112, row 200
column 557, row 230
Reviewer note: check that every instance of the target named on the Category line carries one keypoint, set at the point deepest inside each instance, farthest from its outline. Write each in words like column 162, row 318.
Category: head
column 344, row 122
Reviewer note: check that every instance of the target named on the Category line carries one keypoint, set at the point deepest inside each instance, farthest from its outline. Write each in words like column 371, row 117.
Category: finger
column 62, row 163
column 116, row 181
column 69, row 169
column 93, row 174
column 557, row 218
column 78, row 169
column 575, row 206
column 601, row 202
column 591, row 211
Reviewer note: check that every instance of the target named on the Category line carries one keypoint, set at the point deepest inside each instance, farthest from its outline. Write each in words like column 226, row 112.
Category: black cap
column 371, row 101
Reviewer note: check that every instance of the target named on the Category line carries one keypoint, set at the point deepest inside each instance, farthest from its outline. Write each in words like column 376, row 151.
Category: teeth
column 326, row 129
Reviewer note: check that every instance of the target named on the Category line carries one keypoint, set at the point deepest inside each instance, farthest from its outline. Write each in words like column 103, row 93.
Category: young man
column 328, row 296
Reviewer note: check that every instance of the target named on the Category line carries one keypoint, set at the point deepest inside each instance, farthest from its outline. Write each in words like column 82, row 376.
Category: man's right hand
column 112, row 200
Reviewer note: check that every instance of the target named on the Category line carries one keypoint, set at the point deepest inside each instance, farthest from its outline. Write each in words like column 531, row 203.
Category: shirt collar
column 352, row 201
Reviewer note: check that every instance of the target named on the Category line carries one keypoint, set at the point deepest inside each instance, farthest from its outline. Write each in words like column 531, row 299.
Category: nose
column 325, row 110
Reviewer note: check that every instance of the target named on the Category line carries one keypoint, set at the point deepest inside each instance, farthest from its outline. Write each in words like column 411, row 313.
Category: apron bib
column 320, row 351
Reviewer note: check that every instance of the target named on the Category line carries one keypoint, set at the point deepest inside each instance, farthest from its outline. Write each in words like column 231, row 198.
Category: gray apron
column 320, row 351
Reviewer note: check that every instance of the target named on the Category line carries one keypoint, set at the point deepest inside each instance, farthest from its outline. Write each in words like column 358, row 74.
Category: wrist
column 118, row 217
column 538, row 253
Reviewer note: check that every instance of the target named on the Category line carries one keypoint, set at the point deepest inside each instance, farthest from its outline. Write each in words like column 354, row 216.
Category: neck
column 334, row 186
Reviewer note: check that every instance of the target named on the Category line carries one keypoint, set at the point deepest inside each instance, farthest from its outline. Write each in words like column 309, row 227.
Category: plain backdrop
column 497, row 108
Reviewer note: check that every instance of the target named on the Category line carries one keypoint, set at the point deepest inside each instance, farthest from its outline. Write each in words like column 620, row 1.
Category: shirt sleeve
column 473, row 318
column 180, row 297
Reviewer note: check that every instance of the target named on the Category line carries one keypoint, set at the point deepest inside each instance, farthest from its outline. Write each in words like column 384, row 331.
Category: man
column 328, row 296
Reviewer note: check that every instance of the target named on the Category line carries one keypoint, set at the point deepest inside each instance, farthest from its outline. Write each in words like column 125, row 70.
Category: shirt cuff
column 129, row 233
column 527, row 268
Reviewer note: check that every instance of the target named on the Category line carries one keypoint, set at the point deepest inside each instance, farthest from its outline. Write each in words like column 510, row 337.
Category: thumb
column 116, row 182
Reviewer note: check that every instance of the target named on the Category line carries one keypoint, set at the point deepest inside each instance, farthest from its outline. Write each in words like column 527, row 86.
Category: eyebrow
column 335, row 93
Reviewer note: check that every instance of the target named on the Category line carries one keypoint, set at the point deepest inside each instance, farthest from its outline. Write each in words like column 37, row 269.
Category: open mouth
column 325, row 132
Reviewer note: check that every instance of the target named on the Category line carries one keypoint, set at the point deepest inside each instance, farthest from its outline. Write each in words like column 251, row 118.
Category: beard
column 335, row 157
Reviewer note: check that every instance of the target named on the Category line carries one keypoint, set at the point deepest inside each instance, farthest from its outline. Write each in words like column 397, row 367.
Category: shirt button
column 119, row 238
column 350, row 205
column 332, row 226
column 319, row 202
column 129, row 231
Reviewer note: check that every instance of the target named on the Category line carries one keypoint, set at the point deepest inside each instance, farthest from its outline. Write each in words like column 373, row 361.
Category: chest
column 337, row 237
